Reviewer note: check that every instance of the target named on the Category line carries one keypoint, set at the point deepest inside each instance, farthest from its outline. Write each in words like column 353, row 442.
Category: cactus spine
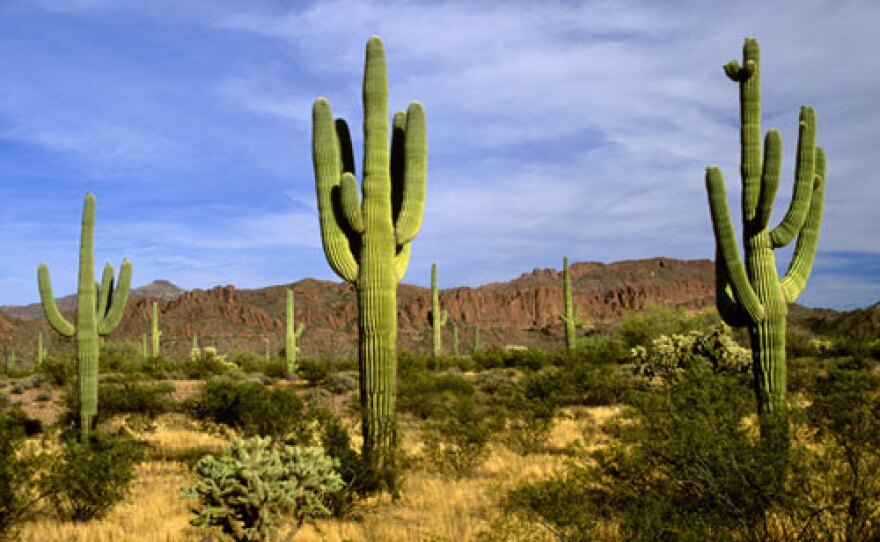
column 368, row 243
column 156, row 335
column 98, row 312
column 572, row 318
column 437, row 318
column 291, row 335
column 456, row 351
column 753, row 295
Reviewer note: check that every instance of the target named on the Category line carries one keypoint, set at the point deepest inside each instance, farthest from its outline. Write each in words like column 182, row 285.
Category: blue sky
column 555, row 128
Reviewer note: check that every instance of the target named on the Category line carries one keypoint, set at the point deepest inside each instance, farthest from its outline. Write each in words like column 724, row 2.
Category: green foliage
column 89, row 478
column 457, row 436
column 527, row 409
column 528, row 358
column 557, row 505
column 120, row 357
column 19, row 475
column 252, row 489
column 252, row 408
column 58, row 370
column 357, row 475
column 313, row 370
column 132, row 396
column 638, row 328
column 424, row 393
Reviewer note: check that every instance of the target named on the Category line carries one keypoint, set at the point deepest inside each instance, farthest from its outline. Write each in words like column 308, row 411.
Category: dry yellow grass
column 431, row 504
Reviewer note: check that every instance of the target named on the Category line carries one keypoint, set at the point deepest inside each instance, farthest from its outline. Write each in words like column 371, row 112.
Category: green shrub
column 527, row 408
column 248, row 491
column 358, row 477
column 668, row 356
column 457, row 438
column 121, row 357
column 130, row 396
column 422, row 393
column 253, row 408
column 528, row 358
column 89, row 478
column 20, row 471
column 206, row 366
column 640, row 327
column 315, row 371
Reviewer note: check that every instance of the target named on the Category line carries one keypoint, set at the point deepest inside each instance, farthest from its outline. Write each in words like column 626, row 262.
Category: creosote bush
column 87, row 479
column 20, row 471
column 256, row 486
column 252, row 408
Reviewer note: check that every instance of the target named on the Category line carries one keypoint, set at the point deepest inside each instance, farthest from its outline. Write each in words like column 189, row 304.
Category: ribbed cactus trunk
column 155, row 334
column 95, row 315
column 437, row 317
column 292, row 333
column 753, row 295
column 456, row 350
column 368, row 242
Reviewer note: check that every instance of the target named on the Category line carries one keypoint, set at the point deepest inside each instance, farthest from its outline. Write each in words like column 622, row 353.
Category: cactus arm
column 401, row 261
column 729, row 310
column 769, row 178
column 726, row 244
column 415, row 175
column 299, row 330
column 118, row 299
column 749, row 78
column 794, row 218
column 106, row 290
column 795, row 279
column 350, row 203
column 50, row 308
column 327, row 163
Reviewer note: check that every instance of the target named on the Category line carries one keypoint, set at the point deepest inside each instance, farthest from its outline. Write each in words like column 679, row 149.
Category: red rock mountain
column 523, row 311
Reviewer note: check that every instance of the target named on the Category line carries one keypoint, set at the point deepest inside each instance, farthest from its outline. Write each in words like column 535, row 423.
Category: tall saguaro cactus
column 41, row 352
column 155, row 333
column 456, row 350
column 368, row 242
column 291, row 335
column 436, row 318
column 572, row 318
column 98, row 312
column 753, row 295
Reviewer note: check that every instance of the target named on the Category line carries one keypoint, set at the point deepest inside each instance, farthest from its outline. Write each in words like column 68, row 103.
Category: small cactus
column 572, row 318
column 156, row 333
column 195, row 353
column 456, row 352
column 291, row 334
column 41, row 352
column 436, row 317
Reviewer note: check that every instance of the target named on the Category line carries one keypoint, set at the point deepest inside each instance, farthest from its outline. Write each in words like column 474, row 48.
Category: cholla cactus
column 670, row 355
column 249, row 491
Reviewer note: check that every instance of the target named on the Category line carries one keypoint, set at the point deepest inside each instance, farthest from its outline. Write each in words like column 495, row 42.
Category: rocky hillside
column 522, row 311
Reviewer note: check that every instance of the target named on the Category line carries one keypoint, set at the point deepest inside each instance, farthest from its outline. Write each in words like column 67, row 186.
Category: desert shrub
column 19, row 475
column 87, row 479
column 684, row 466
column 799, row 344
column 131, row 396
column 358, row 478
column 422, row 392
column 313, row 370
column 528, row 358
column 247, row 492
column 252, row 408
column 845, row 412
column 206, row 366
column 13, row 416
column 457, row 438
column 640, row 327
column 341, row 382
column 527, row 407
column 121, row 357
column 601, row 348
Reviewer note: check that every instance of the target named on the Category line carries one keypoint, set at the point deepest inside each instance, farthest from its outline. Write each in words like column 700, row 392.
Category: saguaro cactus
column 291, row 335
column 98, row 312
column 156, row 334
column 456, row 351
column 572, row 318
column 753, row 295
column 478, row 345
column 436, row 317
column 368, row 243
column 195, row 353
